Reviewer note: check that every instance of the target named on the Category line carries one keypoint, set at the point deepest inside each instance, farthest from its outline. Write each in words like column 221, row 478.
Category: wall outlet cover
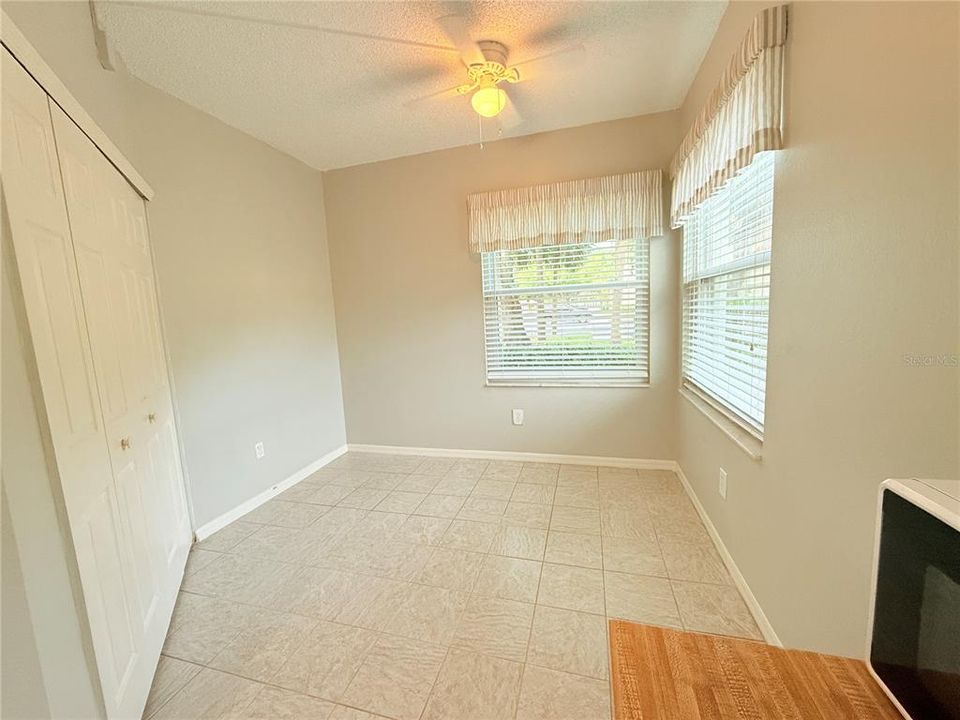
column 258, row 449
column 517, row 416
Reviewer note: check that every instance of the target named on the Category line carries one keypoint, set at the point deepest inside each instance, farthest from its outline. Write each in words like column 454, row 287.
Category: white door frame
column 27, row 55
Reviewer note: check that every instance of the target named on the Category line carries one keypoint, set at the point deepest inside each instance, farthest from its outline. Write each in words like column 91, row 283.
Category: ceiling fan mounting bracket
column 493, row 51
column 492, row 71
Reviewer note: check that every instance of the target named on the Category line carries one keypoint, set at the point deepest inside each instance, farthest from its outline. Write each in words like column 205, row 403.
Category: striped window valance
column 577, row 211
column 742, row 117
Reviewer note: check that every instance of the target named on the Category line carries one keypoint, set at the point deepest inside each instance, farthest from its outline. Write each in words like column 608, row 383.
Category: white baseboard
column 208, row 529
column 769, row 634
column 753, row 605
column 638, row 463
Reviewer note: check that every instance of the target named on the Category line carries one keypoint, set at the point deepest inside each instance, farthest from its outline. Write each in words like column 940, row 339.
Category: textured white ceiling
column 335, row 100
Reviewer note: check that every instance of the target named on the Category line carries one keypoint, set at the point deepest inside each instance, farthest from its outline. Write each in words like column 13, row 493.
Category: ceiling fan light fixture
column 489, row 101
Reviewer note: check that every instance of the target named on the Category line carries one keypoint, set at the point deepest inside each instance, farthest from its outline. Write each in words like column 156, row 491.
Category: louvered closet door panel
column 108, row 222
column 59, row 335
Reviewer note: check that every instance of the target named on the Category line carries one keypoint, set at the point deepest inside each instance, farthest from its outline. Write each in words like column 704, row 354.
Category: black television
column 914, row 645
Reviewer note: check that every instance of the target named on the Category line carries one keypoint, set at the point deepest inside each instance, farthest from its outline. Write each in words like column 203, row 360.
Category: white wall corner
column 769, row 634
column 220, row 522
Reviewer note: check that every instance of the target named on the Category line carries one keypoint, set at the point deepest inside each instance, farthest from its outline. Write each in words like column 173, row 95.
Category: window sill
column 566, row 383
column 743, row 439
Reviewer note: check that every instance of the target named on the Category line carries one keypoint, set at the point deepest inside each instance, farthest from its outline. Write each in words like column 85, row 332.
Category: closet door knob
column 152, row 417
column 125, row 443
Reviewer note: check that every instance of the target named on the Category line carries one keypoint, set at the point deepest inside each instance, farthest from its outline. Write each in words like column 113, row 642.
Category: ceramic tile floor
column 408, row 587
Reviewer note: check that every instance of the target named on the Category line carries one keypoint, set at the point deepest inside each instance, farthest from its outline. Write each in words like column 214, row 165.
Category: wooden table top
column 664, row 674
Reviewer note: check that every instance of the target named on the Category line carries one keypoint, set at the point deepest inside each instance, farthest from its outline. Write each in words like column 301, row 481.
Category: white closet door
column 109, row 230
column 98, row 357
column 51, row 292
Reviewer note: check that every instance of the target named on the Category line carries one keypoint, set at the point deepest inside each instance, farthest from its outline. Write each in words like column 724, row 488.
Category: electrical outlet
column 723, row 483
column 258, row 449
column 517, row 416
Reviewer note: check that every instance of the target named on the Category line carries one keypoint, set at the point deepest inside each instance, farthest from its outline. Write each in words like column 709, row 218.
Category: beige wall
column 409, row 309
column 238, row 231
column 239, row 235
column 865, row 271
column 19, row 659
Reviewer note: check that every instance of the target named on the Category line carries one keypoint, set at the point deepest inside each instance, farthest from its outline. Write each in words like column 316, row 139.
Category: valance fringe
column 742, row 117
column 576, row 211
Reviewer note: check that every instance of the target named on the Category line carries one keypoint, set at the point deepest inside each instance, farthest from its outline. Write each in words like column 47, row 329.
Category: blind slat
column 577, row 312
column 726, row 290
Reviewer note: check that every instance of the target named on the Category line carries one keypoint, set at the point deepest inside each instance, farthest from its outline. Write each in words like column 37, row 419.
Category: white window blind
column 726, row 291
column 567, row 313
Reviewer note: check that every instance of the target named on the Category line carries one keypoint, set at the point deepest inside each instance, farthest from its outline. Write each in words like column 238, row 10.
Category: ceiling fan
column 486, row 61
column 489, row 100
column 487, row 67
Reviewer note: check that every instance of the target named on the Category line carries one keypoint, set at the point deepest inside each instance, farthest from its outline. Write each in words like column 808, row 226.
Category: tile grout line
column 435, row 546
column 673, row 594
column 604, row 539
column 265, row 683
column 533, row 620
column 471, row 593
column 501, row 523
column 436, row 679
column 271, row 683
column 179, row 690
column 606, row 612
column 603, row 585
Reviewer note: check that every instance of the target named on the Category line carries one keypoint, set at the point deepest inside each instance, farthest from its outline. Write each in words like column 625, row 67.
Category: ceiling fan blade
column 553, row 62
column 161, row 5
column 509, row 117
column 457, row 29
column 446, row 93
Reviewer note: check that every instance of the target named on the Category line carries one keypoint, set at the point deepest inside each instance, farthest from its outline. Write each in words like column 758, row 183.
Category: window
column 726, row 291
column 567, row 314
